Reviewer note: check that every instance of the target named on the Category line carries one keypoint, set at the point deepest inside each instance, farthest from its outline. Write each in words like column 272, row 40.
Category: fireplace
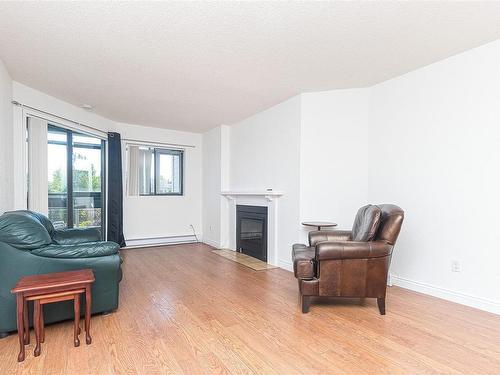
column 251, row 231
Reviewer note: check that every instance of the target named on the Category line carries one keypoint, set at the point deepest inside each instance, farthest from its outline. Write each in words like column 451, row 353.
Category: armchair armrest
column 352, row 250
column 88, row 250
column 317, row 236
column 76, row 236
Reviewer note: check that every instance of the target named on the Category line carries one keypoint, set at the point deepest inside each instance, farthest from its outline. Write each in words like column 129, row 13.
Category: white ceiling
column 193, row 66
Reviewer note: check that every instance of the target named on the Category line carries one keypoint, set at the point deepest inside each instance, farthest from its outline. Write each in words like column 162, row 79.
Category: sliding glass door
column 76, row 179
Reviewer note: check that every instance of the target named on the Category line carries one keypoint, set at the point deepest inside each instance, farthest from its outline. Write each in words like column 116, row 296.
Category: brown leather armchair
column 351, row 263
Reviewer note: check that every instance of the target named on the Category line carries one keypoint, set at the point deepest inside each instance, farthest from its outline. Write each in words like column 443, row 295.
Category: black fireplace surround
column 251, row 231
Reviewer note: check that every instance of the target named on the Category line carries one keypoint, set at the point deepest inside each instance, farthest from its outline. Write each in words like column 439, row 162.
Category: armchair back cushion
column 366, row 223
column 23, row 231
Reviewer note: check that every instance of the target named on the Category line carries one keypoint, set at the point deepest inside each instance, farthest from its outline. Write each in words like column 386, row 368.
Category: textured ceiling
column 192, row 66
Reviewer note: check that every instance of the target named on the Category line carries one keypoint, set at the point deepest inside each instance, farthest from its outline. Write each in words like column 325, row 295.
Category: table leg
column 42, row 325
column 26, row 323
column 36, row 321
column 76, row 340
column 88, row 304
column 20, row 325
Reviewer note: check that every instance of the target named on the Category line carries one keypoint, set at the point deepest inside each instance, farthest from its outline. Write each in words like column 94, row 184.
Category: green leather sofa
column 30, row 245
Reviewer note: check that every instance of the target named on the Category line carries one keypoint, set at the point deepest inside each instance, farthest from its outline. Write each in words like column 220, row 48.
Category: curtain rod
column 152, row 143
column 62, row 118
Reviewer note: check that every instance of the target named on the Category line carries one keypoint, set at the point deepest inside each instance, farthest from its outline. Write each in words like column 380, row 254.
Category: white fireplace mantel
column 265, row 198
column 270, row 195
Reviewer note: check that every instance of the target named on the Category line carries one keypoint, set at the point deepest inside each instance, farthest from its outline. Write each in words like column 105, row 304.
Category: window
column 155, row 171
column 75, row 179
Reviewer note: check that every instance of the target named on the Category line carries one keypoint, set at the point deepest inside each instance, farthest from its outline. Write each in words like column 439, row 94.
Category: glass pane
column 86, row 169
column 87, row 211
column 146, row 171
column 251, row 229
column 57, row 180
column 86, row 139
column 58, row 210
column 87, row 198
column 57, row 168
column 55, row 135
column 86, row 201
column 169, row 173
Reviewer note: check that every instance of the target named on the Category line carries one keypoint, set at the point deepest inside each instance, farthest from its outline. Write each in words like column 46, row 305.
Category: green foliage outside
column 81, row 181
column 57, row 185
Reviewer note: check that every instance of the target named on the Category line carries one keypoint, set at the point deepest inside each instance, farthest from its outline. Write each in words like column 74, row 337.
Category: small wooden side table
column 50, row 288
column 319, row 224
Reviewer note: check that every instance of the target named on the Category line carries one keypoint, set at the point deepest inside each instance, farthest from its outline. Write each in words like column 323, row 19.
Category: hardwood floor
column 186, row 310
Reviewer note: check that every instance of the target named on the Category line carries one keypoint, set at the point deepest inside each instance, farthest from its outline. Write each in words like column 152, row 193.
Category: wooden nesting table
column 50, row 288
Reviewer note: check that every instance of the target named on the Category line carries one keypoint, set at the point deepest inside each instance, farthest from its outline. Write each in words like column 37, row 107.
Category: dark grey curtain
column 115, row 190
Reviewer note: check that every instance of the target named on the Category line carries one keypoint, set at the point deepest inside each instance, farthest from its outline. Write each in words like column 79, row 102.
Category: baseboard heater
column 158, row 241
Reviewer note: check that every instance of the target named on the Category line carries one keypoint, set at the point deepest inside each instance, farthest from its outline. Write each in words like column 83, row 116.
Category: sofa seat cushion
column 76, row 235
column 87, row 250
column 304, row 265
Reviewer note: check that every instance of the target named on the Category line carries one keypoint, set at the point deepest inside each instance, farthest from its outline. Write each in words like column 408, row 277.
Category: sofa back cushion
column 23, row 231
column 76, row 236
column 44, row 220
column 366, row 223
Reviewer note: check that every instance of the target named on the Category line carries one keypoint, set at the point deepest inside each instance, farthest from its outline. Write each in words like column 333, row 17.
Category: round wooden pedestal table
column 319, row 224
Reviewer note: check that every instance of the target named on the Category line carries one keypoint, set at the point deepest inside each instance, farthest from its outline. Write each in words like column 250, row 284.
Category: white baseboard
column 211, row 242
column 285, row 265
column 447, row 294
column 158, row 241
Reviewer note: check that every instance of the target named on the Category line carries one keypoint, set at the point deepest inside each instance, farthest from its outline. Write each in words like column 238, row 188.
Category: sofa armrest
column 317, row 236
column 76, row 236
column 352, row 250
column 88, row 250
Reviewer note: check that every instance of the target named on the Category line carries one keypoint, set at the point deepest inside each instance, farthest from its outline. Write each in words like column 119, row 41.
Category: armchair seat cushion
column 317, row 236
column 86, row 250
column 304, row 266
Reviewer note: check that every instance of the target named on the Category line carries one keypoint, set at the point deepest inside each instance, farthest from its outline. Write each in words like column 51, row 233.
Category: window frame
column 157, row 151
column 70, row 193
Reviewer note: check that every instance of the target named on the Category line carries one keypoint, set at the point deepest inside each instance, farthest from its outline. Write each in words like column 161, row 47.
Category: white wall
column 435, row 151
column 212, row 180
column 265, row 153
column 334, row 156
column 6, row 165
column 144, row 217
column 165, row 216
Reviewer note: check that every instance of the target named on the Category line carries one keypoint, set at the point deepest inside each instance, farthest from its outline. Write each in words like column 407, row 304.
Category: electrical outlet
column 456, row 266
